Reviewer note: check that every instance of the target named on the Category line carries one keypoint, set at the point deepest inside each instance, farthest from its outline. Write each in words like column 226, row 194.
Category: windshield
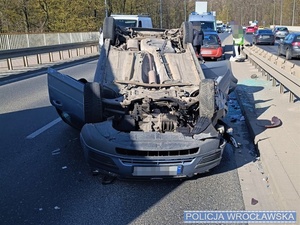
column 282, row 28
column 125, row 23
column 205, row 25
column 210, row 39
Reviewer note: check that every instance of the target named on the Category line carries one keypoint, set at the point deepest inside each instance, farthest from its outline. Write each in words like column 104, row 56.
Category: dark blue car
column 290, row 46
column 263, row 36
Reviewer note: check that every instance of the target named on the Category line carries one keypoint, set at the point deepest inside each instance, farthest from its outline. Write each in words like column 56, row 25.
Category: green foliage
column 87, row 15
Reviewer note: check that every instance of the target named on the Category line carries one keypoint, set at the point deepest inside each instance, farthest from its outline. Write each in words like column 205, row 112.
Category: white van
column 133, row 20
column 206, row 20
column 143, row 21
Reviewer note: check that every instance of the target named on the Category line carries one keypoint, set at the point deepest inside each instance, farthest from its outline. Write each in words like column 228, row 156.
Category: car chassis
column 151, row 111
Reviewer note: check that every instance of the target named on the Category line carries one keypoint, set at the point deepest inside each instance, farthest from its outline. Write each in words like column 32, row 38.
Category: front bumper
column 213, row 53
column 150, row 154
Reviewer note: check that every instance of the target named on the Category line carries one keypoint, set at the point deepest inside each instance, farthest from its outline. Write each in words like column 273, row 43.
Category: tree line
column 40, row 16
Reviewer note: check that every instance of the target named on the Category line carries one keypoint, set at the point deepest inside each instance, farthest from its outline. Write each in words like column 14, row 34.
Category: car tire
column 278, row 51
column 288, row 54
column 207, row 98
column 93, row 108
column 188, row 33
column 109, row 29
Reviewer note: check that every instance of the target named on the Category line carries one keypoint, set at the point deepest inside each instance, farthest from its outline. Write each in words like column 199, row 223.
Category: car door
column 281, row 46
column 76, row 101
column 287, row 42
column 66, row 95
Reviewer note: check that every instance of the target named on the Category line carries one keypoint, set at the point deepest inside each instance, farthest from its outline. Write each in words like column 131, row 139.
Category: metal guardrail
column 16, row 41
column 25, row 52
column 277, row 69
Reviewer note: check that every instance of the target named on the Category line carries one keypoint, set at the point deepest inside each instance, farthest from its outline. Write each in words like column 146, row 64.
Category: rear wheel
column 278, row 51
column 109, row 29
column 288, row 54
column 207, row 98
column 93, row 109
column 187, row 33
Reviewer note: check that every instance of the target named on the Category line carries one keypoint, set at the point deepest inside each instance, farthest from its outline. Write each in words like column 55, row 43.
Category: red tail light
column 296, row 44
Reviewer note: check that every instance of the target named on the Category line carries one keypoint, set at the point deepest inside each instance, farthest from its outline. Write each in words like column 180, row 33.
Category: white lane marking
column 44, row 128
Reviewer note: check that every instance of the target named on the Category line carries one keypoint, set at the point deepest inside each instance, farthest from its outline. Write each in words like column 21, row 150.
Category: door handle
column 57, row 103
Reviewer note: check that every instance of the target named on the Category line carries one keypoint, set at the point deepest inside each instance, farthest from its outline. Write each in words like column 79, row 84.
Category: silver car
column 151, row 111
column 280, row 32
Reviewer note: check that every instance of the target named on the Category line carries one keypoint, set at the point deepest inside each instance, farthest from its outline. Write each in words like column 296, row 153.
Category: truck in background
column 140, row 20
column 207, row 20
column 124, row 21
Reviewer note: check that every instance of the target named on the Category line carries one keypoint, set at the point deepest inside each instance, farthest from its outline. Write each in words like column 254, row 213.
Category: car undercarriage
column 151, row 111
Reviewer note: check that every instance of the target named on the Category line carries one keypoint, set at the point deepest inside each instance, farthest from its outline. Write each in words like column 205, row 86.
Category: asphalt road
column 45, row 179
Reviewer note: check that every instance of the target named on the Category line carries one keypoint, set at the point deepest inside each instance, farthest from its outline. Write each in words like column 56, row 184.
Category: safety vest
column 238, row 41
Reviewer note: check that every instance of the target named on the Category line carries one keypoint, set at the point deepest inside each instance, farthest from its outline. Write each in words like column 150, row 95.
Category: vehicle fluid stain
column 254, row 82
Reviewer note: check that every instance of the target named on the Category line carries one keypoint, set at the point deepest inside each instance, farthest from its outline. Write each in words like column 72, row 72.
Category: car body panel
column 161, row 115
column 66, row 94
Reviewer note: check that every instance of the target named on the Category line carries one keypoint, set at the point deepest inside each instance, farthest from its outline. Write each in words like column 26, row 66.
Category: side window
column 140, row 23
column 287, row 37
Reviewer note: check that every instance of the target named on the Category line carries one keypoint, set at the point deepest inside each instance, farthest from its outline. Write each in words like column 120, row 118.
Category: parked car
column 263, row 36
column 150, row 111
column 280, row 32
column 290, row 46
column 212, row 46
column 250, row 29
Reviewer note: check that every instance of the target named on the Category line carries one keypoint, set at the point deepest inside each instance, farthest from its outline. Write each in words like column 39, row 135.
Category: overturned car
column 151, row 111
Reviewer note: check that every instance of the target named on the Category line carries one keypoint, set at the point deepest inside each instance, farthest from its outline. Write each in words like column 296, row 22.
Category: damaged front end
column 150, row 112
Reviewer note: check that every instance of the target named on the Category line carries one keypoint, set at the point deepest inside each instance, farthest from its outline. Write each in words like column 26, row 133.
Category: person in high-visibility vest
column 238, row 39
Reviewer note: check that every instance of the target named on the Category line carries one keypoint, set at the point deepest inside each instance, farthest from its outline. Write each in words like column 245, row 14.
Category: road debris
column 254, row 201
column 254, row 76
column 56, row 151
column 275, row 122
column 56, row 207
column 64, row 167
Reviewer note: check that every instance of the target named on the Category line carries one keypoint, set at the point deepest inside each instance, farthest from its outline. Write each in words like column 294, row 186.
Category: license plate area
column 157, row 171
column 206, row 52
